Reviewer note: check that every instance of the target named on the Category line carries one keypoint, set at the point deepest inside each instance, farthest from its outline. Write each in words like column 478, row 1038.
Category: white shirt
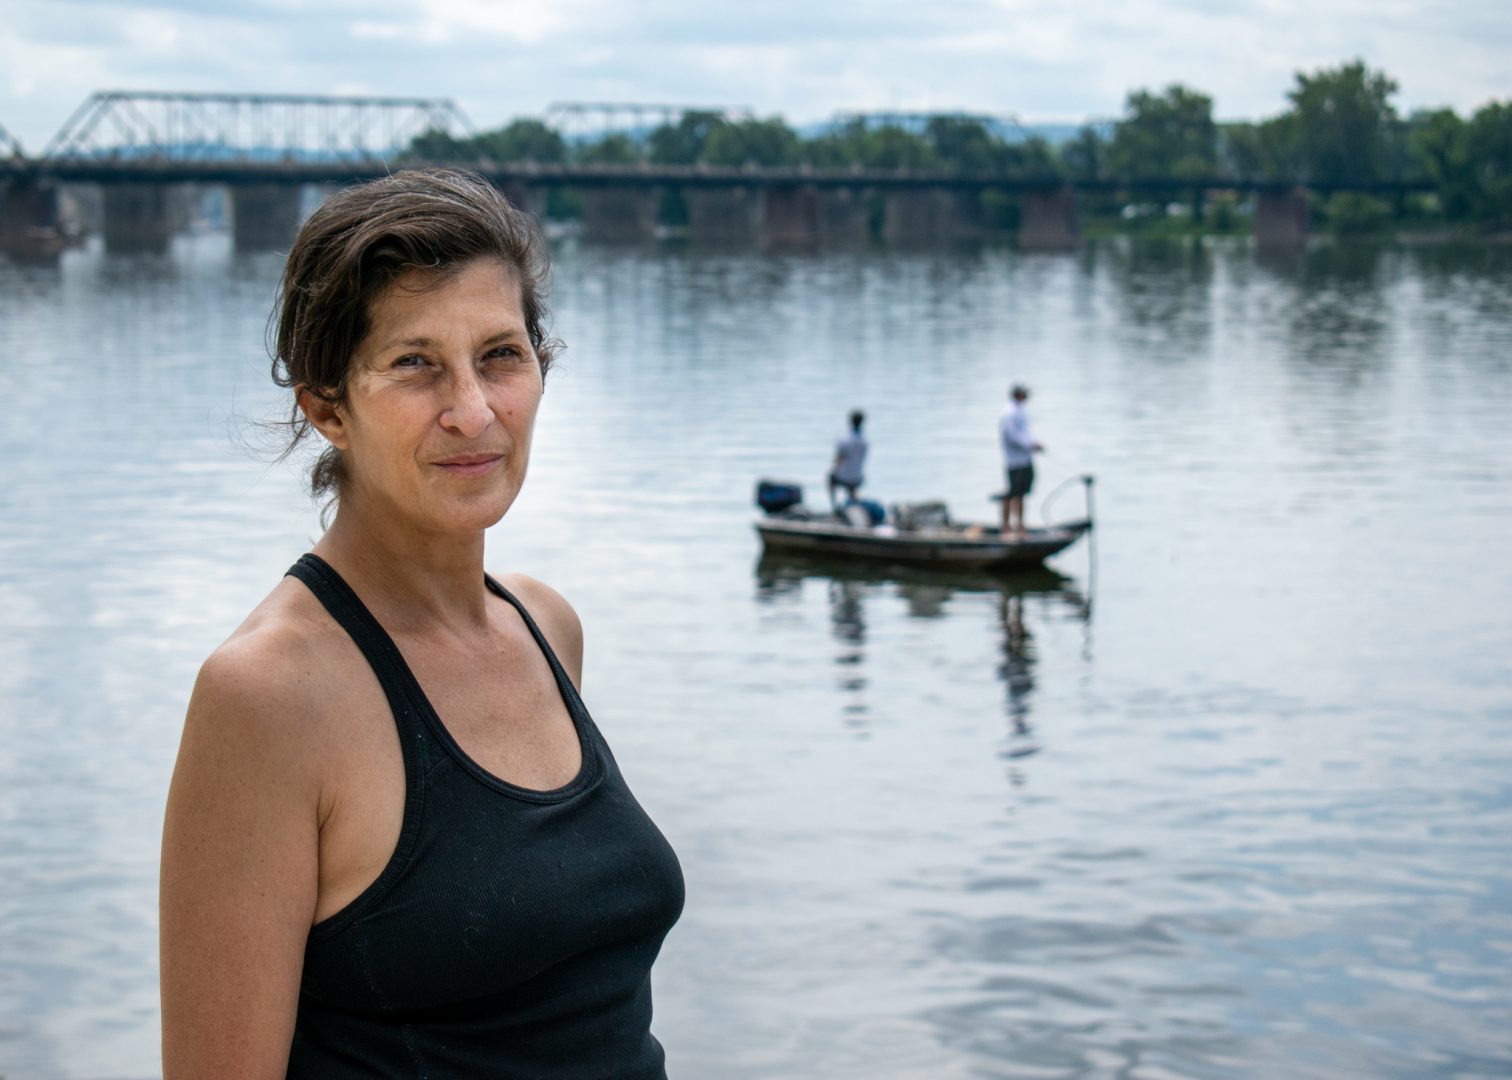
column 851, row 452
column 1018, row 440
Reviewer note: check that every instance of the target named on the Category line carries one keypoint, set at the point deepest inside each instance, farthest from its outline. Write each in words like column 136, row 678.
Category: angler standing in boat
column 850, row 457
column 1019, row 448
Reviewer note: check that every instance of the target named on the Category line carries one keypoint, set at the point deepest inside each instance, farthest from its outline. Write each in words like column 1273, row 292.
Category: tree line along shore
column 1339, row 127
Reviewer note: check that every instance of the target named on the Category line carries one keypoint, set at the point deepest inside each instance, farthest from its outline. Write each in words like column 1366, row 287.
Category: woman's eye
column 412, row 360
column 503, row 352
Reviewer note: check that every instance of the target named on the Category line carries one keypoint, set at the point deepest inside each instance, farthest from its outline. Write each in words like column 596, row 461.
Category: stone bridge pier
column 30, row 225
column 926, row 217
column 844, row 217
column 620, row 215
column 1048, row 222
column 140, row 217
column 789, row 218
column 803, row 217
column 265, row 217
column 735, row 216
column 1281, row 218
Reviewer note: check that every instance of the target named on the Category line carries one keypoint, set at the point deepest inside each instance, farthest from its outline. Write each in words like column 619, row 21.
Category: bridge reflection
column 854, row 590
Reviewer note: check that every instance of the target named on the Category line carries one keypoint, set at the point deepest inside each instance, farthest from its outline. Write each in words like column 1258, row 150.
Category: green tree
column 1166, row 134
column 683, row 143
column 893, row 147
column 1085, row 157
column 1344, row 122
column 610, row 150
column 855, row 143
column 1033, row 157
column 1354, row 212
column 968, row 146
column 523, row 140
column 964, row 144
column 753, row 142
column 1436, row 142
column 1488, row 149
column 1264, row 151
column 433, row 144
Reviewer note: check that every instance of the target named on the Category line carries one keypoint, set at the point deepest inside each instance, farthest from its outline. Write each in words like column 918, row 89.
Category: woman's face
column 441, row 401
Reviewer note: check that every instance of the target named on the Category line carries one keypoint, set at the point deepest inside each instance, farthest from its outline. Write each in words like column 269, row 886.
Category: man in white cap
column 1019, row 449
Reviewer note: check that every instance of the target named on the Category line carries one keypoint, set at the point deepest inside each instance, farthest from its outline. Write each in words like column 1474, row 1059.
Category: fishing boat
column 919, row 533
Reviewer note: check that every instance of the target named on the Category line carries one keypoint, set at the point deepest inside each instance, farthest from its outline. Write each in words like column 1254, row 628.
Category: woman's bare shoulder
column 273, row 671
column 555, row 616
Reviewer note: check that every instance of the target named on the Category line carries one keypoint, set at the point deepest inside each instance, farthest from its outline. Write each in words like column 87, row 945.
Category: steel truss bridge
column 121, row 125
column 150, row 137
column 10, row 146
column 141, row 149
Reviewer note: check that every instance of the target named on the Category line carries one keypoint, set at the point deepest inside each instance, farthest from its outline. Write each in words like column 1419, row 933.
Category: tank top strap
column 570, row 696
column 405, row 697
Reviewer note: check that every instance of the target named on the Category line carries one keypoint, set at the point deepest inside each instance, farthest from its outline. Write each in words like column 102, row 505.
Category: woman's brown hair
column 354, row 247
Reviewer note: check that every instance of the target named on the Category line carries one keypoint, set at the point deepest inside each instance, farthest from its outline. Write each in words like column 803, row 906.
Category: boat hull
column 936, row 547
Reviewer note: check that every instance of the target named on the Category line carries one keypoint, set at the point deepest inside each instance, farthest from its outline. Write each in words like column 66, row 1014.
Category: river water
column 1228, row 794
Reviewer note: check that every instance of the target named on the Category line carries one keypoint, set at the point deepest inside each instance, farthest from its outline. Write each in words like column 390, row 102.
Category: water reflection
column 1466, row 303
column 927, row 594
column 1339, row 265
column 1163, row 289
column 1017, row 673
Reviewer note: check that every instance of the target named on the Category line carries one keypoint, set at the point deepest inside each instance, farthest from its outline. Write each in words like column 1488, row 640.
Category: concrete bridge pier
column 735, row 216
column 30, row 223
column 844, row 218
column 265, row 217
column 924, row 217
column 1048, row 222
column 790, row 218
column 1281, row 218
column 620, row 215
column 807, row 218
column 138, row 218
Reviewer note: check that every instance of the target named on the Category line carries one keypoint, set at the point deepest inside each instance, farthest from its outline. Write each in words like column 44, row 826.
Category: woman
column 396, row 845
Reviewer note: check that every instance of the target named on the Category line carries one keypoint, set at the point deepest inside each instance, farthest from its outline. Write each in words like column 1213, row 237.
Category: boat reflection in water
column 1019, row 597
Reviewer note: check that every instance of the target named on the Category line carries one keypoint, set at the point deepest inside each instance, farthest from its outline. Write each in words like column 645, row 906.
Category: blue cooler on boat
column 775, row 496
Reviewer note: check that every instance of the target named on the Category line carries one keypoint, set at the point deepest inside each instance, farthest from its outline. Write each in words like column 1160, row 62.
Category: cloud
column 503, row 58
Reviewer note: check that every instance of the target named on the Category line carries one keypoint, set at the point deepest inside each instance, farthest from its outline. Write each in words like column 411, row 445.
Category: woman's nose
column 468, row 413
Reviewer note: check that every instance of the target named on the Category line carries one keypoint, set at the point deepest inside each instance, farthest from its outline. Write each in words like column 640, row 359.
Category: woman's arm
column 239, row 870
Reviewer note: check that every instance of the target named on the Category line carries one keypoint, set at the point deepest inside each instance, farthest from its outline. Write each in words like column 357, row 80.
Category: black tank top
column 512, row 932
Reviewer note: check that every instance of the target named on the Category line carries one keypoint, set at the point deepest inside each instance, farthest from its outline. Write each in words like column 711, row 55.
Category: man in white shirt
column 850, row 456
column 1019, row 449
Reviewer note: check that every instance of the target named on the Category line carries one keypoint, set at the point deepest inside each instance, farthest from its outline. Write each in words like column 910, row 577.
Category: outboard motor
column 775, row 496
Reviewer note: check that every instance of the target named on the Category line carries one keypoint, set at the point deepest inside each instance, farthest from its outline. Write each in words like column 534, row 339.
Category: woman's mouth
column 469, row 464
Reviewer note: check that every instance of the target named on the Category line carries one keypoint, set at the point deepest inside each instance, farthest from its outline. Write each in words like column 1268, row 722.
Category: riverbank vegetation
column 1368, row 168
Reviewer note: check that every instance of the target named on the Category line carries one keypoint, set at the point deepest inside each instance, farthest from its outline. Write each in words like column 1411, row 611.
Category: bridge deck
column 150, row 170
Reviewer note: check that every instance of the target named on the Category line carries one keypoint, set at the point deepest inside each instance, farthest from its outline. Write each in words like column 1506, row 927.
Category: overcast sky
column 1036, row 59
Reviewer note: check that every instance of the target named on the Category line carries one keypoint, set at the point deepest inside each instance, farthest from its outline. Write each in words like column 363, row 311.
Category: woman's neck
column 409, row 579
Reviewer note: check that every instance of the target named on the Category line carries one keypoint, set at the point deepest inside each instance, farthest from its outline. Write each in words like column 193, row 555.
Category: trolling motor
column 1087, row 480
